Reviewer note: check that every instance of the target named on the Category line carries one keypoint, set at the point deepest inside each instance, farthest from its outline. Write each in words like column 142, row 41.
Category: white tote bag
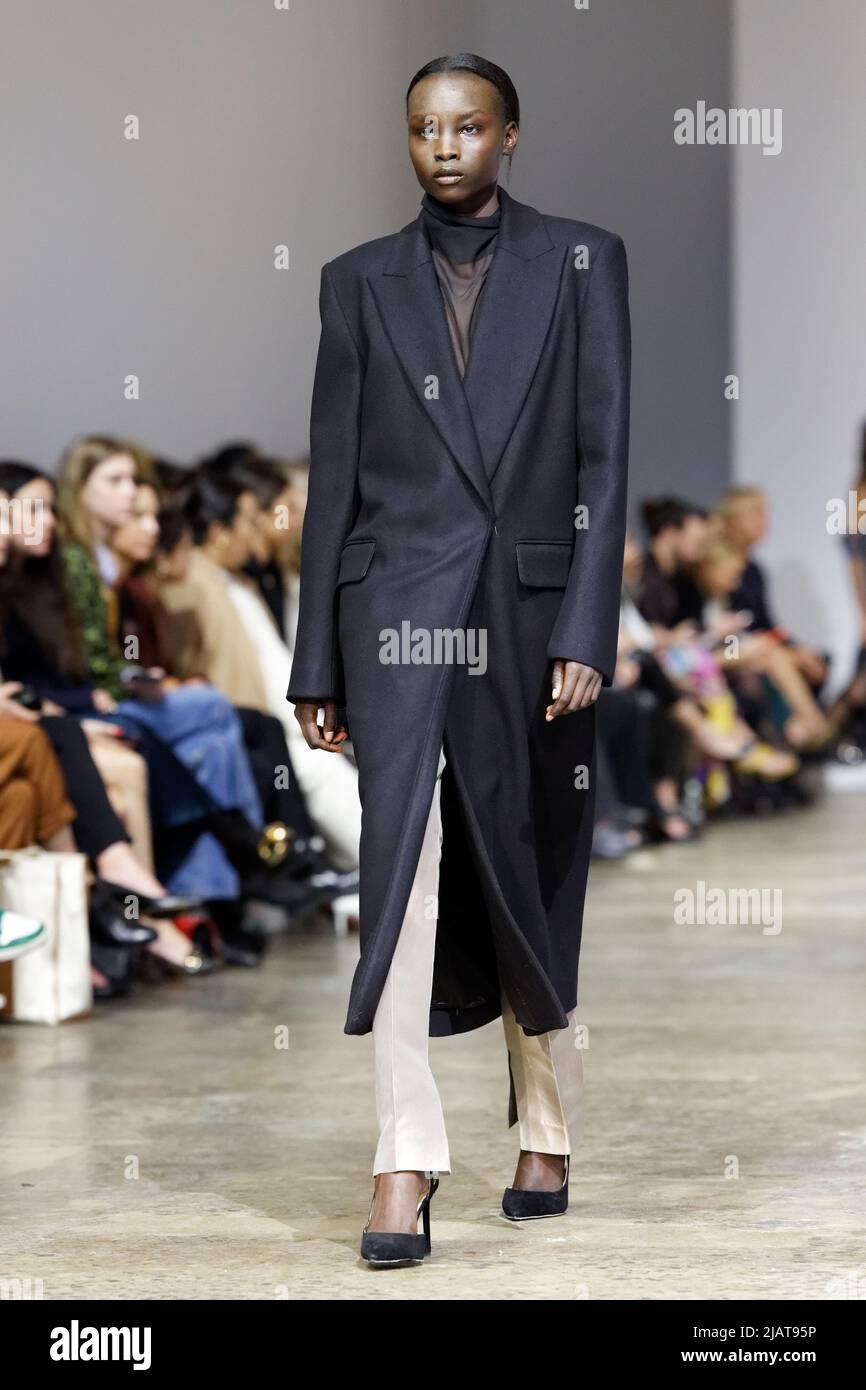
column 52, row 982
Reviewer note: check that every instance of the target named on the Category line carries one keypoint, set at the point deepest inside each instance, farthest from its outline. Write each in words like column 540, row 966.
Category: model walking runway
column 469, row 441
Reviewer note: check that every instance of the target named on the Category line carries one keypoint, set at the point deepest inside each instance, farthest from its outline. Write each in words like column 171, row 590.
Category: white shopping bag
column 52, row 982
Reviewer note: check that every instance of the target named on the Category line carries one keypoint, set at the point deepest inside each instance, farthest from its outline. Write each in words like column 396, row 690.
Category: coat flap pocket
column 544, row 564
column 355, row 560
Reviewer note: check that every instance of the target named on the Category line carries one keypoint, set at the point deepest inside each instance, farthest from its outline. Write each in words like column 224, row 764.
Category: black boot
column 237, row 947
column 117, row 964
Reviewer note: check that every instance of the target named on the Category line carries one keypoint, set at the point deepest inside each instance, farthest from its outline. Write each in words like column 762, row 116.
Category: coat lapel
column 476, row 416
column 410, row 302
column 513, row 320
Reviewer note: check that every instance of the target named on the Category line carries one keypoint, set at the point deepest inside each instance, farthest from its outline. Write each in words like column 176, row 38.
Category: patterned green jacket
column 84, row 583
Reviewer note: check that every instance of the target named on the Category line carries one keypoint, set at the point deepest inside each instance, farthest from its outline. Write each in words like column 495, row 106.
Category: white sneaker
column 18, row 934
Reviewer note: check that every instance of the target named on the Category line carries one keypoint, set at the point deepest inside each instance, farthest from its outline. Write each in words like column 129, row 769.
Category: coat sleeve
column 332, row 503
column 587, row 624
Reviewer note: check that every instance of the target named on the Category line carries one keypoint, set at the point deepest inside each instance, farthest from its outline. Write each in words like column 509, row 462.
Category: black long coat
column 437, row 504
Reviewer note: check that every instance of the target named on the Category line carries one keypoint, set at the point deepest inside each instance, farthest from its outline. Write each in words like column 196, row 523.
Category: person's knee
column 132, row 768
column 20, row 793
column 208, row 704
column 18, row 810
column 31, row 737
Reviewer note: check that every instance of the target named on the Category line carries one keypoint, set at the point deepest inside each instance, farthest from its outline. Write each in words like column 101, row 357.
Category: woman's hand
column 11, row 708
column 574, row 686
column 724, row 624
column 150, row 692
column 811, row 663
column 685, row 631
column 675, row 636
column 49, row 707
column 104, row 702
column 328, row 736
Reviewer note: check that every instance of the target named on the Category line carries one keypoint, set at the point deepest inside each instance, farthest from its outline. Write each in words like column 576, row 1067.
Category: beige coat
column 218, row 645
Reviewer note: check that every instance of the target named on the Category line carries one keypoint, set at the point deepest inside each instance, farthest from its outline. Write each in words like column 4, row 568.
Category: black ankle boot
column 117, row 964
column 237, row 946
column 238, row 837
column 275, row 850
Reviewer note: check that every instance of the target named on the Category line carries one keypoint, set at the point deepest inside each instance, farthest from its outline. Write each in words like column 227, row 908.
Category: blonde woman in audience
column 741, row 518
column 718, row 573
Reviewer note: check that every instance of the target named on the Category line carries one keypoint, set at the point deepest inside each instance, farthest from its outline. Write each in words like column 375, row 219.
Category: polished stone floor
column 173, row 1147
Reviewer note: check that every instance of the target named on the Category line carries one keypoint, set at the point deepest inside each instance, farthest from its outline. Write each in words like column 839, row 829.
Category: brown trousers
column 34, row 802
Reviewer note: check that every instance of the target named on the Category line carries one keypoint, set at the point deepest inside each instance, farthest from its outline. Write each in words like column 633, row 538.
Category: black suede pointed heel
column 521, row 1204
column 399, row 1247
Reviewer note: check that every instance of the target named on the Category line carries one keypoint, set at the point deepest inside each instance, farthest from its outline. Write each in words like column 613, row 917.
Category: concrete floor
column 167, row 1149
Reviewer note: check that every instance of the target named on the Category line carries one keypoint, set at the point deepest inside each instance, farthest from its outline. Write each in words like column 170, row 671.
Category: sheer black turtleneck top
column 462, row 248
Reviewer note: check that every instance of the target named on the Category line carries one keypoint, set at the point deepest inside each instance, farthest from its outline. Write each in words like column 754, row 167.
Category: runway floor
column 167, row 1148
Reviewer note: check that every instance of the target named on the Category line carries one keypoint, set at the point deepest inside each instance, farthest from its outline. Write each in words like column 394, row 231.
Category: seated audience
column 742, row 519
column 45, row 646
column 224, row 517
column 145, row 622
column 798, row 715
column 97, row 484
column 665, row 592
column 145, row 653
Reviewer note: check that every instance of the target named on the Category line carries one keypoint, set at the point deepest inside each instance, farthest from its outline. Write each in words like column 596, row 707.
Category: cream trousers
column 547, row 1069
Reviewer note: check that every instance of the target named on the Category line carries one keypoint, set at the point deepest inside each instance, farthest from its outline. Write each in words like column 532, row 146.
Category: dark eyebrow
column 476, row 111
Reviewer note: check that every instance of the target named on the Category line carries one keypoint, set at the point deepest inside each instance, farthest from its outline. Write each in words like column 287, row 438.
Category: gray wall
column 800, row 288
column 259, row 127
column 599, row 89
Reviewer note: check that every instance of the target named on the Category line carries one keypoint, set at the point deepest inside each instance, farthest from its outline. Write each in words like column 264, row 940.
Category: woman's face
column 719, row 578
column 457, row 137
column 173, row 568
column 248, row 530
column 294, row 499
column 234, row 544
column 108, row 496
column 136, row 539
column 35, row 535
column 278, row 521
column 259, row 521
column 748, row 524
column 690, row 539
